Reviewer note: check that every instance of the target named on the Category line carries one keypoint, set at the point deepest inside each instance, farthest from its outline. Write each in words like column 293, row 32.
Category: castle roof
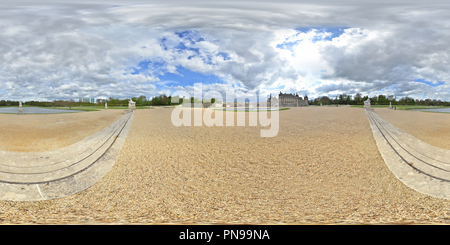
column 285, row 95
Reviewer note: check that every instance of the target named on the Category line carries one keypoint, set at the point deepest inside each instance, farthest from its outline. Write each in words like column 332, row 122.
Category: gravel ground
column 322, row 167
column 432, row 128
column 35, row 132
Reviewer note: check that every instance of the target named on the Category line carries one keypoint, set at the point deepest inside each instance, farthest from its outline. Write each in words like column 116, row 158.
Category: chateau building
column 290, row 100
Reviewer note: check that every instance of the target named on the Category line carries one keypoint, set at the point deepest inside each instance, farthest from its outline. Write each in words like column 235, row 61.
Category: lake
column 446, row 110
column 32, row 110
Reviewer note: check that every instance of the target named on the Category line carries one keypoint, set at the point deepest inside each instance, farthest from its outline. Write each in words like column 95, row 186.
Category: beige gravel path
column 432, row 128
column 45, row 132
column 323, row 167
column 420, row 166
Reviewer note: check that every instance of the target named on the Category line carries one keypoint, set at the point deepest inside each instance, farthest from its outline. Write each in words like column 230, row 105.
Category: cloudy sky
column 81, row 49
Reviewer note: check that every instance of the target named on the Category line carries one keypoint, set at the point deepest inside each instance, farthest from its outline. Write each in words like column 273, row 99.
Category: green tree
column 163, row 99
column 325, row 100
column 141, row 100
column 348, row 100
column 341, row 99
column 357, row 97
column 155, row 101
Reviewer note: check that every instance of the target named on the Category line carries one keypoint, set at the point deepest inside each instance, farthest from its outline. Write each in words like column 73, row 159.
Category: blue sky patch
column 181, row 46
column 146, row 66
column 224, row 55
column 428, row 82
column 191, row 36
column 188, row 78
column 335, row 32
column 185, row 77
column 162, row 43
column 289, row 45
column 279, row 87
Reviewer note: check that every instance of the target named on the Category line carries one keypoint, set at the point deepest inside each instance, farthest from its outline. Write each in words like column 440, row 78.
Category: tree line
column 358, row 99
column 161, row 100
column 140, row 101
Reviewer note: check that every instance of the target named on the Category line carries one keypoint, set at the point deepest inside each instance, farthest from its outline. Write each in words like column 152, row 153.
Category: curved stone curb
column 48, row 182
column 420, row 166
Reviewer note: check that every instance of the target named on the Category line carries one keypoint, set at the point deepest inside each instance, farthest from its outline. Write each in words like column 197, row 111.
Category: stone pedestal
column 367, row 104
column 20, row 108
column 131, row 106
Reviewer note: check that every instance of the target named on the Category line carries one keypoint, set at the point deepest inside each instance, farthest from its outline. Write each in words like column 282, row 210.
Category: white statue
column 131, row 105
column 20, row 108
column 106, row 106
column 367, row 103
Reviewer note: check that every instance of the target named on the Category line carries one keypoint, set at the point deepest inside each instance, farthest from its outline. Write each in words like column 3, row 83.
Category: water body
column 32, row 110
column 446, row 110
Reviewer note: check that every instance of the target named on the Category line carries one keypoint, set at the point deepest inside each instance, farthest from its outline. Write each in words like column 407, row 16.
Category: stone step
column 35, row 159
column 68, row 164
column 54, row 163
column 423, row 176
column 429, row 157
